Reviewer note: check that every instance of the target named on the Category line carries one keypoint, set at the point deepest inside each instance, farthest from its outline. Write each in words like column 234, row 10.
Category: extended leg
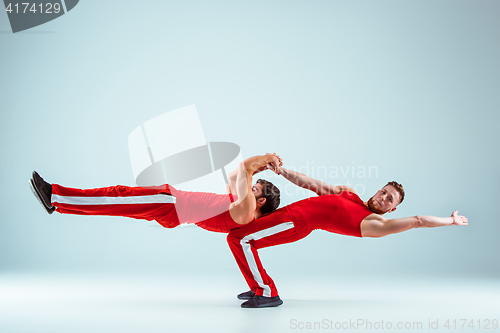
column 148, row 203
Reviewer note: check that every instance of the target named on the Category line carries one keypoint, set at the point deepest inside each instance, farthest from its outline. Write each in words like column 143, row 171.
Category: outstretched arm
column 378, row 226
column 317, row 186
column 242, row 211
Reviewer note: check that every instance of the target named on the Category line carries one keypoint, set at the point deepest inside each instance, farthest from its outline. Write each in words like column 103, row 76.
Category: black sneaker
column 262, row 302
column 37, row 196
column 43, row 191
column 246, row 295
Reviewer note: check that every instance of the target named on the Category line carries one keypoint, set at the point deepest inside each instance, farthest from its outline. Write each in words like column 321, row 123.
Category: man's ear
column 392, row 210
column 261, row 201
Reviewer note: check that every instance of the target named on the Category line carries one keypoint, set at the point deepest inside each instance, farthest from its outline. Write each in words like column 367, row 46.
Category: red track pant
column 270, row 230
column 147, row 203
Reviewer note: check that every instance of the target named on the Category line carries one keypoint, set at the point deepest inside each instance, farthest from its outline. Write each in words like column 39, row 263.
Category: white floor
column 41, row 303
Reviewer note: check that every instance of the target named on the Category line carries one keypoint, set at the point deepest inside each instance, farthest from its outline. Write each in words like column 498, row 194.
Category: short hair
column 398, row 188
column 272, row 195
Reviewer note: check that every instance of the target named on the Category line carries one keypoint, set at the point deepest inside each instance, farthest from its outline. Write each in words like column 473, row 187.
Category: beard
column 372, row 207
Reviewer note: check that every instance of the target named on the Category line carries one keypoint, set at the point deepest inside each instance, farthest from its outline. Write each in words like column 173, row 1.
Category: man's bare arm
column 317, row 186
column 378, row 226
column 454, row 219
column 231, row 181
column 255, row 161
column 242, row 211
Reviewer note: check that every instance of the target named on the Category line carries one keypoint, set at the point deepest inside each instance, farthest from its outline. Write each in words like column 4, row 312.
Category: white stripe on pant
column 106, row 200
column 249, row 255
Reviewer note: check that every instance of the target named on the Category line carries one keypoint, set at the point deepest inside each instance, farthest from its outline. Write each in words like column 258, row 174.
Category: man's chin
column 372, row 207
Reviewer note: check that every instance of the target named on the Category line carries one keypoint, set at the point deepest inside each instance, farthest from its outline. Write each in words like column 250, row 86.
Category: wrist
column 268, row 159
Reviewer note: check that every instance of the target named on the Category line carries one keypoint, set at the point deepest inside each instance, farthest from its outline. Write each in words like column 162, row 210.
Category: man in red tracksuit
column 169, row 206
column 337, row 209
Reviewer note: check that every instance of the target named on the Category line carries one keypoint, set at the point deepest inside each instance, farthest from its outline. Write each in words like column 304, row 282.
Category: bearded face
column 384, row 201
column 374, row 207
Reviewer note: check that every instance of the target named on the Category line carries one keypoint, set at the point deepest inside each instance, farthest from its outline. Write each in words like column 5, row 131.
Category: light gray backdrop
column 409, row 88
